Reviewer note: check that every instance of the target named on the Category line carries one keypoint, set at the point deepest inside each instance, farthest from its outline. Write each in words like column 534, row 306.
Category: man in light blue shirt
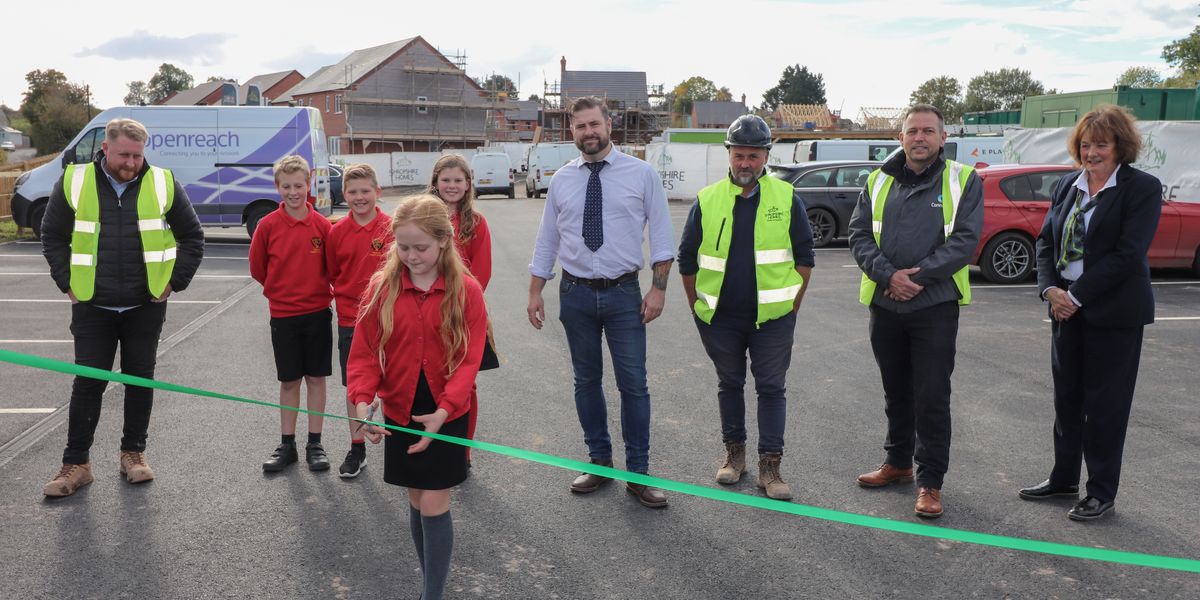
column 597, row 208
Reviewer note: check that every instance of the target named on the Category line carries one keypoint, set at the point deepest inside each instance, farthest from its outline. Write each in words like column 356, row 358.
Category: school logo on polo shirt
column 316, row 242
column 376, row 244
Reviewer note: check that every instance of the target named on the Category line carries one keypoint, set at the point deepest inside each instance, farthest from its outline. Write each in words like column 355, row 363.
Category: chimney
column 743, row 99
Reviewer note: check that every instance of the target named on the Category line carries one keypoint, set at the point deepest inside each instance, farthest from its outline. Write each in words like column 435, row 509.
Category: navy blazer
column 1115, row 287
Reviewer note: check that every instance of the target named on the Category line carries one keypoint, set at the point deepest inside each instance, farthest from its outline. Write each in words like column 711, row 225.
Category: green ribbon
column 911, row 528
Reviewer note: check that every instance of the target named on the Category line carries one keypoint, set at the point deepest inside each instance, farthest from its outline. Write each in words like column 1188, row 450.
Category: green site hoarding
column 1147, row 104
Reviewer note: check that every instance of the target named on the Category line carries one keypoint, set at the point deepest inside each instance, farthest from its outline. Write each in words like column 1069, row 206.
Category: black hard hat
column 750, row 131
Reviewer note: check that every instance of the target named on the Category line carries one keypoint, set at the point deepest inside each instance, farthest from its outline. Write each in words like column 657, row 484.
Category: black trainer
column 354, row 463
column 283, row 456
column 314, row 455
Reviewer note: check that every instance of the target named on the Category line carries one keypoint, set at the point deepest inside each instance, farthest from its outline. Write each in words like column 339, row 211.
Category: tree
column 168, row 80
column 218, row 79
column 1184, row 55
column 139, row 94
column 55, row 108
column 723, row 95
column 497, row 84
column 797, row 85
column 535, row 98
column 1141, row 77
column 1005, row 89
column 944, row 92
column 689, row 91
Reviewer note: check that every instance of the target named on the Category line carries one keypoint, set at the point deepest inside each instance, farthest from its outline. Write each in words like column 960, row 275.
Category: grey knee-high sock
column 439, row 543
column 418, row 535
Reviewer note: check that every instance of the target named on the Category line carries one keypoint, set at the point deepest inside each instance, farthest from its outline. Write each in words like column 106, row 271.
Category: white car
column 8, row 146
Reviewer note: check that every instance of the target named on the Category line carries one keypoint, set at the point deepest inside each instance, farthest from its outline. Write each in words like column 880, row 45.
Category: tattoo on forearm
column 662, row 271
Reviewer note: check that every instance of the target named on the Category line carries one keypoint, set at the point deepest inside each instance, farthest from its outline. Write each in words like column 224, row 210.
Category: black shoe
column 1044, row 490
column 314, row 455
column 283, row 456
column 1089, row 509
column 353, row 465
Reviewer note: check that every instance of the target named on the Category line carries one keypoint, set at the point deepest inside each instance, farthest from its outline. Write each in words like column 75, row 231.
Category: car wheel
column 35, row 219
column 1196, row 264
column 1007, row 258
column 256, row 215
column 512, row 192
column 823, row 225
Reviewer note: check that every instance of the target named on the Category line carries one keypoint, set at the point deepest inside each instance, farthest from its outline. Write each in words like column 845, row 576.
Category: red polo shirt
column 287, row 256
column 416, row 346
column 352, row 254
column 476, row 253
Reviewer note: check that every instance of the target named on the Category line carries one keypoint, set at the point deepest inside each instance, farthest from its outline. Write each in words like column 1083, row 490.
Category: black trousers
column 98, row 332
column 1095, row 370
column 915, row 352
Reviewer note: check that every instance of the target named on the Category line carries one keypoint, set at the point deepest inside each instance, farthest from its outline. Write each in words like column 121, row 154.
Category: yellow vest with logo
column 954, row 183
column 775, row 267
column 155, row 197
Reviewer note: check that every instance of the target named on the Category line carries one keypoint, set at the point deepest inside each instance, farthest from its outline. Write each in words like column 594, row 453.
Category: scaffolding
column 805, row 116
column 632, row 123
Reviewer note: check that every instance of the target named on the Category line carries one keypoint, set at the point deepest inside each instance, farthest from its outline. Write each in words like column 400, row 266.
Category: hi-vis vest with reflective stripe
column 775, row 267
column 954, row 183
column 155, row 196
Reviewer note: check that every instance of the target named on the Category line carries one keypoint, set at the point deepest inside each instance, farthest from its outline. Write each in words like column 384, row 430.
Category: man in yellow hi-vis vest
column 120, row 237
column 746, row 256
column 913, row 233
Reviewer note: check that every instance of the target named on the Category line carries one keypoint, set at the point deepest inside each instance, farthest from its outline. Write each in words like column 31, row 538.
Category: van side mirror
column 68, row 157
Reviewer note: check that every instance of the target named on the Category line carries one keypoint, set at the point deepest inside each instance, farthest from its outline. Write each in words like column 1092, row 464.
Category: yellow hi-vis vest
column 775, row 267
column 954, row 183
column 155, row 196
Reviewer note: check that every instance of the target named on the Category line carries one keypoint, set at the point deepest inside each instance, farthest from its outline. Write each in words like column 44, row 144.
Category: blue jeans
column 615, row 313
column 727, row 342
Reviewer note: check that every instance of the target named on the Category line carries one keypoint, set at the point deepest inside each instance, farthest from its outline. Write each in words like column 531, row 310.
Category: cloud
column 200, row 48
column 307, row 60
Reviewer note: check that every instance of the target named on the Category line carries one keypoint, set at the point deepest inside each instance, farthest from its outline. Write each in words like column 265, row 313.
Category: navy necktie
column 593, row 210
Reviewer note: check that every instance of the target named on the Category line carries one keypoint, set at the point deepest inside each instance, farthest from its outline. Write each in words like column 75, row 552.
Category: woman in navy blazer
column 1093, row 272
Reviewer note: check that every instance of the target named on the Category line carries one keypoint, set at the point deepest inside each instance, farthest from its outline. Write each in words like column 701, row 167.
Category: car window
column 1042, row 184
column 855, row 177
column 879, row 152
column 88, row 145
column 815, row 179
column 1017, row 188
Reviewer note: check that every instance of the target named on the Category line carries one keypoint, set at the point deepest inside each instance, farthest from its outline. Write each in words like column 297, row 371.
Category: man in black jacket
column 120, row 237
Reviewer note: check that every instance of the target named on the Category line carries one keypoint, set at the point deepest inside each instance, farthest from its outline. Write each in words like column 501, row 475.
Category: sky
column 871, row 53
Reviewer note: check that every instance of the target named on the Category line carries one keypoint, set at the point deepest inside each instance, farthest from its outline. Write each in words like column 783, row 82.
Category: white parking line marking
column 37, row 341
column 1027, row 286
column 47, row 274
column 26, row 411
column 21, row 256
column 226, row 258
column 1158, row 319
column 59, row 301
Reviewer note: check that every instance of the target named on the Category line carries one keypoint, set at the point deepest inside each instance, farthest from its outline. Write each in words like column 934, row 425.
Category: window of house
column 422, row 108
column 326, row 102
column 337, row 104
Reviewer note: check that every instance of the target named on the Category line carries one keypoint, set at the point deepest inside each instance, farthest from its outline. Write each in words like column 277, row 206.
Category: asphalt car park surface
column 213, row 526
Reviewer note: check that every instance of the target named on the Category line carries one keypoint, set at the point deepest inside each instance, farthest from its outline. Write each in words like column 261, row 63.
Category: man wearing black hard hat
column 746, row 256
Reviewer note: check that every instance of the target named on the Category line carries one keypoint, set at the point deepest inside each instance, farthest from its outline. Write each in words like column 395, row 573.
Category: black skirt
column 442, row 465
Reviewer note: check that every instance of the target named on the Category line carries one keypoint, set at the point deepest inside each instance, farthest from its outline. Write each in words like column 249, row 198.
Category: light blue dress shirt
column 634, row 202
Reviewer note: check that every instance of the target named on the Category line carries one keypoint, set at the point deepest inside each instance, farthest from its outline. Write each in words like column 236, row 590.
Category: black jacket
column 120, row 267
column 1115, row 287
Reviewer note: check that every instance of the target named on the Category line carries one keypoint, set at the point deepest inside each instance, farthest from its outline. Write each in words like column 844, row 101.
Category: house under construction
column 401, row 96
column 636, row 109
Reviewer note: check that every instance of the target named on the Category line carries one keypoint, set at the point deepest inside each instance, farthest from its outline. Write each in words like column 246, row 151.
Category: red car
column 1015, row 201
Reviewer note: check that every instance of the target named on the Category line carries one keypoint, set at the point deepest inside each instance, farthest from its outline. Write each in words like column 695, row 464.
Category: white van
column 977, row 151
column 543, row 161
column 221, row 155
column 492, row 173
column 844, row 150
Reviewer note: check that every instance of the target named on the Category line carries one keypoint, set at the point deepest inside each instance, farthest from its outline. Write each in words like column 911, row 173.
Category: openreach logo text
column 192, row 140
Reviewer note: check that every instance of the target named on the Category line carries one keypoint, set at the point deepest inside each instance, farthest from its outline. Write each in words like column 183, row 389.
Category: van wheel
column 823, row 225
column 537, row 193
column 512, row 192
column 35, row 219
column 1007, row 258
column 254, row 217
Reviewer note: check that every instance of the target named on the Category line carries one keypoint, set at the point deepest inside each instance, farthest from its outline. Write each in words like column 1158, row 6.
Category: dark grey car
column 830, row 189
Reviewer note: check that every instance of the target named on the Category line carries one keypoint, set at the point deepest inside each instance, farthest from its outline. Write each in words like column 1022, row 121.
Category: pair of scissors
column 370, row 415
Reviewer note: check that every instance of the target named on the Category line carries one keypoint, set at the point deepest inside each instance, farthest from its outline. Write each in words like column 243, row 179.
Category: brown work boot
column 929, row 503
column 769, row 478
column 134, row 467
column 885, row 475
column 70, row 478
column 587, row 483
column 735, row 464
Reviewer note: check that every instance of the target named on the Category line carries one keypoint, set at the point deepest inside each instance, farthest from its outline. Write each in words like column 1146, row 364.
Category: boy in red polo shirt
column 287, row 256
column 357, row 246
